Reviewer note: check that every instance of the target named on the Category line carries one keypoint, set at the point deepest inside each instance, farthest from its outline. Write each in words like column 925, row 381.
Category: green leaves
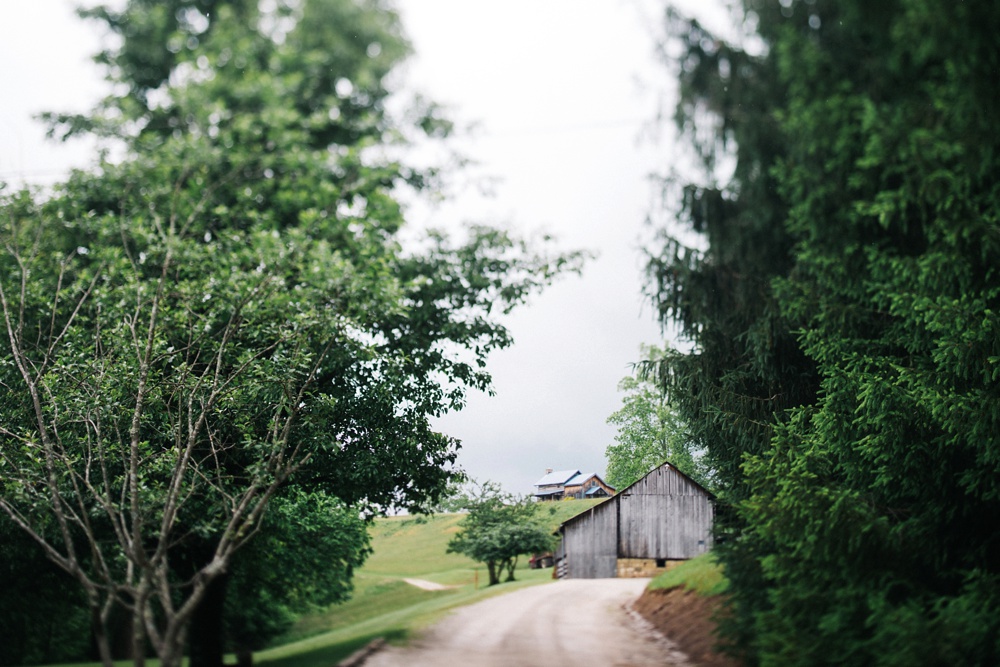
column 499, row 528
column 849, row 401
column 225, row 316
column 309, row 547
column 649, row 433
column 897, row 337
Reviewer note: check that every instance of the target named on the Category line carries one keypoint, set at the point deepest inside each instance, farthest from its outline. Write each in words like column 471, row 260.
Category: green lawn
column 703, row 575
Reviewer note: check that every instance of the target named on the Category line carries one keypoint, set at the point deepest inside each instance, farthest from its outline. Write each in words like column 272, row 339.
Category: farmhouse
column 571, row 484
column 664, row 518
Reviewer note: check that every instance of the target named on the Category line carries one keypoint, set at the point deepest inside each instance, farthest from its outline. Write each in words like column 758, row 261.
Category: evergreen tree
column 743, row 368
column 868, row 510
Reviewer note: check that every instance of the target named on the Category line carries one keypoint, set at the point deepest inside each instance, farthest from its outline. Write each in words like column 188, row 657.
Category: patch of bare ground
column 686, row 619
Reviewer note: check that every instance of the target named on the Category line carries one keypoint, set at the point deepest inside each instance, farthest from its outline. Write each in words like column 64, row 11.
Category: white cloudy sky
column 562, row 91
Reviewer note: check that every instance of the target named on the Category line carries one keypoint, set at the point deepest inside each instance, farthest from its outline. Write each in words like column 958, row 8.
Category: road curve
column 579, row 620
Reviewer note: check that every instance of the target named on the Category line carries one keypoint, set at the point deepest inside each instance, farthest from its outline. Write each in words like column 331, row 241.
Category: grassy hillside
column 383, row 605
column 416, row 546
column 408, row 546
column 703, row 575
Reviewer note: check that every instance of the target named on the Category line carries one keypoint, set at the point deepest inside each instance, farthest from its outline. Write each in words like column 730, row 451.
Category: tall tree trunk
column 172, row 643
column 138, row 630
column 100, row 633
column 494, row 577
column 511, row 564
column 119, row 629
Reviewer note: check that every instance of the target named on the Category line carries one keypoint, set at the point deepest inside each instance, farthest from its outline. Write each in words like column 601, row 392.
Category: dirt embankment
column 686, row 619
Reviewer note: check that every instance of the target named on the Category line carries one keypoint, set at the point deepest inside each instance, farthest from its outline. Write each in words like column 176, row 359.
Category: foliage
column 743, row 365
column 866, row 482
column 146, row 414
column 649, row 433
column 309, row 547
column 453, row 499
column 498, row 528
column 225, row 315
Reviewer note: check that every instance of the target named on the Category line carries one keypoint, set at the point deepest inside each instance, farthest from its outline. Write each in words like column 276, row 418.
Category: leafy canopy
column 225, row 316
column 649, row 433
column 498, row 529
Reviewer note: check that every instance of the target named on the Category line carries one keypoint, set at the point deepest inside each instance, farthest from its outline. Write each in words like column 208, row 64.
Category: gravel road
column 581, row 621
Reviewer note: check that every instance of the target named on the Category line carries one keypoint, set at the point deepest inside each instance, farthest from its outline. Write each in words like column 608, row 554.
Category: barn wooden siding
column 591, row 546
column 663, row 516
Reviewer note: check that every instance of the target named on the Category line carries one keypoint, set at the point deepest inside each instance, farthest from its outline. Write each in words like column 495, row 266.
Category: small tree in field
column 499, row 528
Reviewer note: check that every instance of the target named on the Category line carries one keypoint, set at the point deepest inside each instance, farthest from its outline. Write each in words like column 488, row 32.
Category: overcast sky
column 562, row 91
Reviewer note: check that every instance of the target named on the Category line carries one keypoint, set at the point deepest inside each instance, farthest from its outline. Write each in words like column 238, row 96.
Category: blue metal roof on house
column 557, row 477
column 580, row 478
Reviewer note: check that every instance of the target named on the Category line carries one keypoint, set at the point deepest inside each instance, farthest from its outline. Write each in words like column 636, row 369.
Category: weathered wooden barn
column 664, row 518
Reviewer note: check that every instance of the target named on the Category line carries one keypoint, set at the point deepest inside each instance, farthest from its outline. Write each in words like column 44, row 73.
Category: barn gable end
column 662, row 518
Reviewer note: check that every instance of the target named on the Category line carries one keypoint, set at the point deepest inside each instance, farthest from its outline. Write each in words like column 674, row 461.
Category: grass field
column 703, row 575
column 383, row 605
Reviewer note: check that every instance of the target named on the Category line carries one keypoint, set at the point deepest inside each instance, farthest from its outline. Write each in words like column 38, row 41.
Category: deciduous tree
column 225, row 313
column 148, row 413
column 499, row 528
column 649, row 432
column 302, row 560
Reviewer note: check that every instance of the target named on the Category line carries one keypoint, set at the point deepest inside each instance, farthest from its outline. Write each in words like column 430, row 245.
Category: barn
column 664, row 518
